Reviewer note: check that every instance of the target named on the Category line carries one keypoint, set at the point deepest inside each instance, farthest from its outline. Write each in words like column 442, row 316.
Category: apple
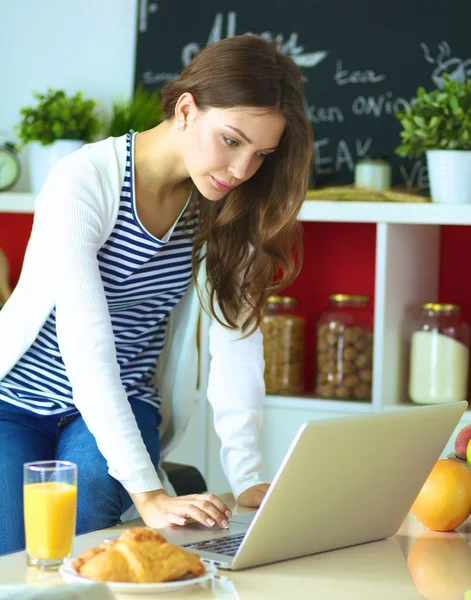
column 461, row 442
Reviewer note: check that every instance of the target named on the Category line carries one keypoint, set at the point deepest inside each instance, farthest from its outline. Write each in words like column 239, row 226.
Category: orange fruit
column 440, row 565
column 444, row 502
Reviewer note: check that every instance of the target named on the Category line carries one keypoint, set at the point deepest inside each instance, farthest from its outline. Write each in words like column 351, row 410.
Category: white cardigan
column 75, row 214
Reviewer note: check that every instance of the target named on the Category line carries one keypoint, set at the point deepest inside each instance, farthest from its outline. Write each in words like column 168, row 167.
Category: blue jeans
column 26, row 436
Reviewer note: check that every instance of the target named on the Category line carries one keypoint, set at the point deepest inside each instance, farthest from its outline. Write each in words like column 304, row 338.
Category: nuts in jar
column 283, row 329
column 345, row 349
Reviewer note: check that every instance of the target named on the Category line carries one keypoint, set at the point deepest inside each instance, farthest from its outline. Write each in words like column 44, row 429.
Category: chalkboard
column 362, row 61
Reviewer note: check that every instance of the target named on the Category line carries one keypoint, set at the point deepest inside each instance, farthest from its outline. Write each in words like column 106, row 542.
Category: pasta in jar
column 283, row 329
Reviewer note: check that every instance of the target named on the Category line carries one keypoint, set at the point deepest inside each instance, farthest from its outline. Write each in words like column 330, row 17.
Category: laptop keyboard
column 226, row 545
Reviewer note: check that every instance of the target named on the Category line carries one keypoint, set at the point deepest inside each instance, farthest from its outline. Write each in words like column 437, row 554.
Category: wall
column 86, row 45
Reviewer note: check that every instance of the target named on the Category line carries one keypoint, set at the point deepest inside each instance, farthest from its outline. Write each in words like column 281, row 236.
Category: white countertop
column 439, row 567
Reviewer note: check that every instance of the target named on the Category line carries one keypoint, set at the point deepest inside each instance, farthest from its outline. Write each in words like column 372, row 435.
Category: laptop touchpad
column 195, row 532
column 244, row 518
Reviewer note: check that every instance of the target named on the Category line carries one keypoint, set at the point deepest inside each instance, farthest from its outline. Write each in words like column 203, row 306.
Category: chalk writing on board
column 289, row 46
column 332, row 157
column 331, row 160
column 352, row 91
column 343, row 76
column 145, row 9
column 150, row 77
column 320, row 114
column 417, row 176
column 376, row 106
column 456, row 68
column 143, row 16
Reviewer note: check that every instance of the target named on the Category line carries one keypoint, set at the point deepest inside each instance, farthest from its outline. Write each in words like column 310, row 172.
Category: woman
column 123, row 229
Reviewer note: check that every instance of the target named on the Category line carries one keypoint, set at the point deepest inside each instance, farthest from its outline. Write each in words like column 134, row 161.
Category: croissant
column 139, row 555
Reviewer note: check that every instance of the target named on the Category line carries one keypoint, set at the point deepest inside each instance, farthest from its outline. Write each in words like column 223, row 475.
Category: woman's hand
column 253, row 496
column 157, row 509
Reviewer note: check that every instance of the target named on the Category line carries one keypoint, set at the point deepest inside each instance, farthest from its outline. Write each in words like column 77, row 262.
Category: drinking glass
column 50, row 507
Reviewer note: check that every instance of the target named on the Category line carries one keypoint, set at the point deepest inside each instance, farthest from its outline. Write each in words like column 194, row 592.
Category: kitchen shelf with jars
column 398, row 255
column 357, row 351
column 400, row 267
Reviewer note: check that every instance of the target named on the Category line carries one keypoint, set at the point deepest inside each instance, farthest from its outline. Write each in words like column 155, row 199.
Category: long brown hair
column 252, row 238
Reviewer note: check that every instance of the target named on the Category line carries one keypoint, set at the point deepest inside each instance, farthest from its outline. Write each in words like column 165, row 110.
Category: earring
column 181, row 125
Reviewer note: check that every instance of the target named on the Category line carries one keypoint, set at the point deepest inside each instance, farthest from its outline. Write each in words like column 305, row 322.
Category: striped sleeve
column 68, row 221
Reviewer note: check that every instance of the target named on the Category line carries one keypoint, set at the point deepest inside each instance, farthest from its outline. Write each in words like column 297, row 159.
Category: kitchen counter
column 415, row 563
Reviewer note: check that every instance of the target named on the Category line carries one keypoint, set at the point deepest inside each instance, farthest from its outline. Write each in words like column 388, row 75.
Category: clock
column 10, row 167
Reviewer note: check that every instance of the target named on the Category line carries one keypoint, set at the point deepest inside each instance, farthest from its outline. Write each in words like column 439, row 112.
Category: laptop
column 343, row 481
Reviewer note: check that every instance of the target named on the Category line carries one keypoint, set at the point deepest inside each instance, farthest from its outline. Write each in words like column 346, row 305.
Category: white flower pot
column 449, row 173
column 43, row 158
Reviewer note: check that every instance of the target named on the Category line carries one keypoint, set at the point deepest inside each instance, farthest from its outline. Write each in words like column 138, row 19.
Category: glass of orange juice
column 50, row 507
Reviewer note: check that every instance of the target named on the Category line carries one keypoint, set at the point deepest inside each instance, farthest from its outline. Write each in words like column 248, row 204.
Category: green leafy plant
column 437, row 120
column 57, row 116
column 142, row 112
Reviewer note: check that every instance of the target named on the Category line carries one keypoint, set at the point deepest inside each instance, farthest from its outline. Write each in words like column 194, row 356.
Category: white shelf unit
column 11, row 202
column 419, row 213
column 407, row 264
column 406, row 273
column 408, row 213
column 310, row 403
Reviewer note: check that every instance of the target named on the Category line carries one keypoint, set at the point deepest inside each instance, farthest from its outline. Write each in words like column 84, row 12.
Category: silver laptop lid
column 346, row 481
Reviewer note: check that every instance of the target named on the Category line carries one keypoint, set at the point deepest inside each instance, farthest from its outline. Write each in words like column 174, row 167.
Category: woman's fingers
column 213, row 512
column 176, row 519
column 206, row 509
column 200, row 508
column 218, row 503
column 203, row 512
column 212, row 500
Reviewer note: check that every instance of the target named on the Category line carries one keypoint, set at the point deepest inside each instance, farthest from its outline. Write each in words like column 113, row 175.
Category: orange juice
column 50, row 509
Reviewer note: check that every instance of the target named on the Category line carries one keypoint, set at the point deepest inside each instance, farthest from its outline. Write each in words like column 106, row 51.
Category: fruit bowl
column 453, row 456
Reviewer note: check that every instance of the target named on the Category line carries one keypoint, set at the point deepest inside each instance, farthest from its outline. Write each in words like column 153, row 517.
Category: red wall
column 339, row 257
column 14, row 234
column 455, row 279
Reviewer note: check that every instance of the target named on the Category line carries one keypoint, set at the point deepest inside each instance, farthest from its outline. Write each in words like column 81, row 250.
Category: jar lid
column 352, row 298
column 373, row 159
column 440, row 307
column 281, row 300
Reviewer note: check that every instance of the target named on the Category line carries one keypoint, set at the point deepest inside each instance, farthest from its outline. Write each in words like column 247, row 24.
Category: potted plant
column 439, row 124
column 57, row 125
column 142, row 112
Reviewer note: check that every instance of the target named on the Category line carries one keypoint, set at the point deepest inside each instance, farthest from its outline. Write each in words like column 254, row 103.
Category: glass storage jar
column 283, row 328
column 344, row 349
column 439, row 355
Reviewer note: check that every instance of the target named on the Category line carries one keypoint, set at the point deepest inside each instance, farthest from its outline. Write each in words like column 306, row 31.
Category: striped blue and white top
column 143, row 279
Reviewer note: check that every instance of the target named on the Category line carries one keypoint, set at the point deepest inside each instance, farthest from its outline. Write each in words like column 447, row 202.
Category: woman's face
column 224, row 147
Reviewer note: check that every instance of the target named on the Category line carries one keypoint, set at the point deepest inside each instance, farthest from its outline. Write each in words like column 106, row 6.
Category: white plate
column 71, row 576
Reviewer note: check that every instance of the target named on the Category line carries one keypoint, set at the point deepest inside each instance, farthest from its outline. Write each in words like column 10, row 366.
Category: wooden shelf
column 334, row 212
